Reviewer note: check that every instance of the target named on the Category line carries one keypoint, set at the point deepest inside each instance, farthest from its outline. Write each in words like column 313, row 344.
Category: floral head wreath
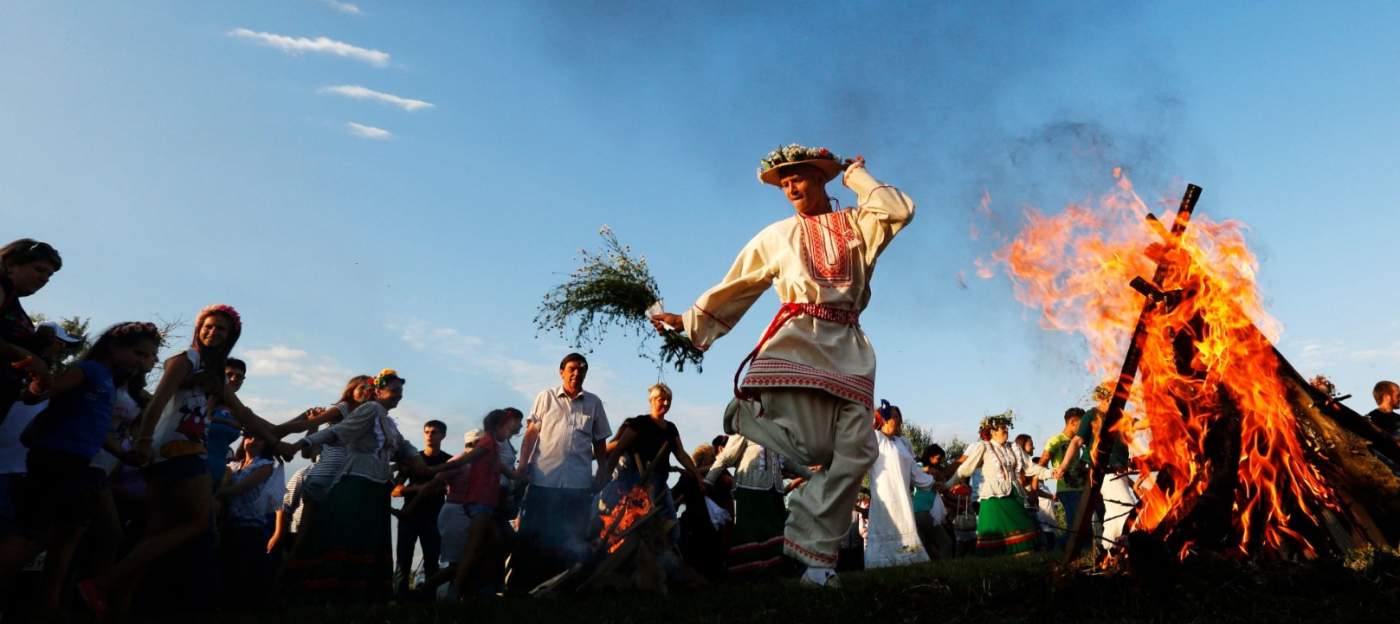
column 123, row 329
column 385, row 376
column 995, row 420
column 224, row 309
column 794, row 154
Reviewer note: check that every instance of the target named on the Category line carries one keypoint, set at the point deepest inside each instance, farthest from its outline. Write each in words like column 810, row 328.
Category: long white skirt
column 893, row 537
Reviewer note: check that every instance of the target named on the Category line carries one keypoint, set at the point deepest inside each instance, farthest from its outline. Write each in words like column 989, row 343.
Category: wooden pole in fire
column 1104, row 439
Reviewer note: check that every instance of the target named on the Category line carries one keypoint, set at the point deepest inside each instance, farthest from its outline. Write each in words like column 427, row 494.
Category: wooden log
column 1105, row 440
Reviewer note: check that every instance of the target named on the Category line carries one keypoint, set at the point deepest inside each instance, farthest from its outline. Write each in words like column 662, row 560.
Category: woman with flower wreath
column 1003, row 527
column 343, row 553
column 173, row 429
column 813, row 371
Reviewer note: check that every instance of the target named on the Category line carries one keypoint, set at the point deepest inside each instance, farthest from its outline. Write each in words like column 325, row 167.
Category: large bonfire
column 1209, row 406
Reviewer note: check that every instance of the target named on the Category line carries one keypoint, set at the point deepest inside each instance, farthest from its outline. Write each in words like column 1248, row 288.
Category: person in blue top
column 61, row 487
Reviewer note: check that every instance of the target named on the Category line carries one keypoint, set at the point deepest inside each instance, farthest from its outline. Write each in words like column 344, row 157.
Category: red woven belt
column 787, row 312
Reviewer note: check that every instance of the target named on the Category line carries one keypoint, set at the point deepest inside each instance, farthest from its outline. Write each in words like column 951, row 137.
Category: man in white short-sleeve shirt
column 566, row 433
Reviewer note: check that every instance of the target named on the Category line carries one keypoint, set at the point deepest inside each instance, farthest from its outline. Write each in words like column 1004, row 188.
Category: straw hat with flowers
column 820, row 158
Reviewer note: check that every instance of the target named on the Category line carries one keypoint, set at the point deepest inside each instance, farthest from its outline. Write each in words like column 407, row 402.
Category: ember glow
column 1208, row 400
column 633, row 506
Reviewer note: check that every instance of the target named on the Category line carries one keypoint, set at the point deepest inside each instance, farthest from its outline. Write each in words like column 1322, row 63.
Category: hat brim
column 828, row 167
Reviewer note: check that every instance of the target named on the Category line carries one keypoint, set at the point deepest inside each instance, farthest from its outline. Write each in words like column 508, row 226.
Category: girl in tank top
column 172, row 433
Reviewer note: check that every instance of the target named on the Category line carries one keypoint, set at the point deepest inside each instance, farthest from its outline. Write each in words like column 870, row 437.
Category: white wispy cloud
column 368, row 132
column 1317, row 354
column 297, row 367
column 319, row 45
column 358, row 92
column 343, row 7
column 471, row 353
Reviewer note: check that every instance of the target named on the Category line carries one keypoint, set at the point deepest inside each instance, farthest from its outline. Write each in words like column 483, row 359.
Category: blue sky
column 177, row 156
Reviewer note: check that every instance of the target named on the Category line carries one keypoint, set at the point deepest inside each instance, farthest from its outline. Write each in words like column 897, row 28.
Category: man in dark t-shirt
column 1387, row 395
column 421, row 526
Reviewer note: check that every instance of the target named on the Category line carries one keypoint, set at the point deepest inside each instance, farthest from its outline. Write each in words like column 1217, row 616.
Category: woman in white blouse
column 1003, row 527
column 893, row 536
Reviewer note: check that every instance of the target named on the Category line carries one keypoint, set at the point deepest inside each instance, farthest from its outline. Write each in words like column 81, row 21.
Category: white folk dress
column 892, row 538
column 825, row 261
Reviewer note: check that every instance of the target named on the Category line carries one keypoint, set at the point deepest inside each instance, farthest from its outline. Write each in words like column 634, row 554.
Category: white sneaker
column 820, row 577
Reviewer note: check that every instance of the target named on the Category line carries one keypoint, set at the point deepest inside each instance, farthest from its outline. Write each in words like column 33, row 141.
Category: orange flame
column 1075, row 267
column 633, row 506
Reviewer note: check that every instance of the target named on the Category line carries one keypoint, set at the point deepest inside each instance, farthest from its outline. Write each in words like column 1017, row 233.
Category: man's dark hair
column 26, row 250
column 236, row 363
column 493, row 419
column 514, row 413
column 573, row 357
column 437, row 424
column 1073, row 413
column 720, row 440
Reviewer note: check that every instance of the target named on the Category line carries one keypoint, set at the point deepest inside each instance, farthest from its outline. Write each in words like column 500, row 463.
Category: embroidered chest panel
column 827, row 249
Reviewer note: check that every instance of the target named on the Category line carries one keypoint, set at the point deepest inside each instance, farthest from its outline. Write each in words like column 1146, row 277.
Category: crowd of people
column 126, row 499
column 121, row 498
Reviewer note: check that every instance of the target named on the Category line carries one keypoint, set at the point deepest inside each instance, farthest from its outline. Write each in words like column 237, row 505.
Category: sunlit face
column 1000, row 433
column 363, row 392
column 515, row 426
column 214, row 331
column 432, row 436
column 235, row 377
column 1028, row 447
column 892, row 424
column 573, row 375
column 804, row 190
column 1073, row 423
column 390, row 395
column 30, row 277
column 660, row 402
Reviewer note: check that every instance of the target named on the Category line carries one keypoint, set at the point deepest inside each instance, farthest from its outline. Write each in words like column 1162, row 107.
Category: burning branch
column 1124, row 386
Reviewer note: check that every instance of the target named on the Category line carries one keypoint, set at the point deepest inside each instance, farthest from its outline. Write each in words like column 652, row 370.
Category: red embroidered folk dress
column 824, row 263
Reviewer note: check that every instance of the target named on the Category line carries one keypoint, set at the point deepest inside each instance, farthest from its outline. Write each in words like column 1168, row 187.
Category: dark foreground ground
column 1365, row 588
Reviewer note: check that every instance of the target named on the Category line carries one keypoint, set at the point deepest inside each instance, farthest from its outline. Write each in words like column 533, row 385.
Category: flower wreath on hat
column 819, row 157
column 995, row 420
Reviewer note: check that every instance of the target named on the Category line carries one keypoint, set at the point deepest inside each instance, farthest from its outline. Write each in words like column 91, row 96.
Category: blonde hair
column 703, row 455
column 665, row 389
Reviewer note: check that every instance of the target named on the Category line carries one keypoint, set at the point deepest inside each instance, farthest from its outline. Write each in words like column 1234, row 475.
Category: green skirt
column 1003, row 528
column 757, row 540
column 342, row 552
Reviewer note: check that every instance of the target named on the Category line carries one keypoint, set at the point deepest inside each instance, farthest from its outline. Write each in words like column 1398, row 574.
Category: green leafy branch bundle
column 612, row 288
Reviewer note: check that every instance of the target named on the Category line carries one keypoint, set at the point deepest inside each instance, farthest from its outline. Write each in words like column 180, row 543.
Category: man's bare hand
column 661, row 320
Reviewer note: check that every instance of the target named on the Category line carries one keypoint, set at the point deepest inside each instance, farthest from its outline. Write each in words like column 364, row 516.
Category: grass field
column 1364, row 589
